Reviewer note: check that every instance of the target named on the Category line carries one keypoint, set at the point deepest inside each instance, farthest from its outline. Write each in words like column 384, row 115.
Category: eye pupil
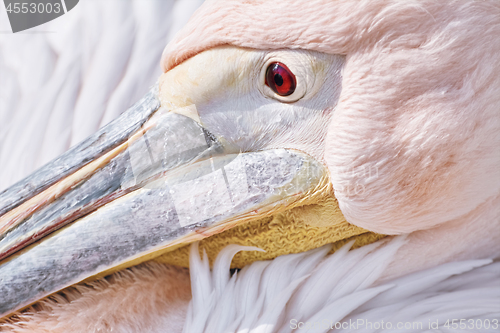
column 280, row 79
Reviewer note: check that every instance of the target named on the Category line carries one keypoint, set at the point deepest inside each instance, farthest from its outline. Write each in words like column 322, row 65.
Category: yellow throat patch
column 299, row 229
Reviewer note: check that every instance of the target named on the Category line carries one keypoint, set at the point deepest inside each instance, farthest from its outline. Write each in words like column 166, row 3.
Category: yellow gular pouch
column 295, row 230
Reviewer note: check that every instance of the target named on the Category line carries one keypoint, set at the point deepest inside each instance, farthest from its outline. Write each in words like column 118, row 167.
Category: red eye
column 280, row 79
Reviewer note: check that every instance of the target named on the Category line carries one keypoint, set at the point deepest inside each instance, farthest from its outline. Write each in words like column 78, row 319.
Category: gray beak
column 145, row 184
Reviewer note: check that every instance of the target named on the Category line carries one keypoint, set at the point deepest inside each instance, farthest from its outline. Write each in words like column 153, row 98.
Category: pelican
column 277, row 134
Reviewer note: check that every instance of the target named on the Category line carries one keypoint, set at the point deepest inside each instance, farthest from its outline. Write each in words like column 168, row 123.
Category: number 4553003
column 471, row 324
column 27, row 7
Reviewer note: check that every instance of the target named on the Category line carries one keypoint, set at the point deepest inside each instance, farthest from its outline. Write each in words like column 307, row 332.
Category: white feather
column 272, row 296
column 64, row 79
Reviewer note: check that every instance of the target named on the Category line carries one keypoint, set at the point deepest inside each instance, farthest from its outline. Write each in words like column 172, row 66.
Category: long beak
column 147, row 183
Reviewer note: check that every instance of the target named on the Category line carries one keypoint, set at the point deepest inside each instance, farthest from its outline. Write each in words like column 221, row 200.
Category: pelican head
column 347, row 118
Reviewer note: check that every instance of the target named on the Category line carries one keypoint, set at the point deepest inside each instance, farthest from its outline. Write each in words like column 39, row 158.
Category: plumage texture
column 147, row 298
column 275, row 296
column 63, row 80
